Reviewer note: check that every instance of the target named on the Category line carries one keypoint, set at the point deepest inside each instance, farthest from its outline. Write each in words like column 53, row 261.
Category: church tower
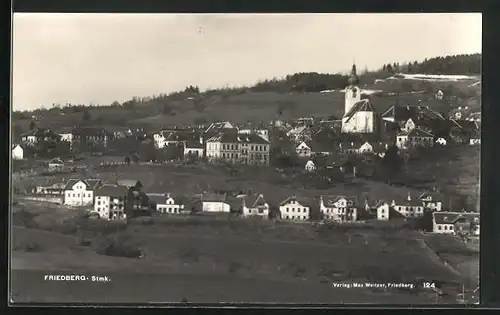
column 352, row 91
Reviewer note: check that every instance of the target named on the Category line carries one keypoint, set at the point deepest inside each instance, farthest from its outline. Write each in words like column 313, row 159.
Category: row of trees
column 457, row 64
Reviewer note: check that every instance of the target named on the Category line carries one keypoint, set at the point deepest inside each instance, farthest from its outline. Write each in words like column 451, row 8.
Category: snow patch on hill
column 366, row 92
column 433, row 77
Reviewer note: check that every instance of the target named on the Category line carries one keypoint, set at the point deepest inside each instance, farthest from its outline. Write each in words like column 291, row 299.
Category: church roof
column 353, row 78
column 363, row 105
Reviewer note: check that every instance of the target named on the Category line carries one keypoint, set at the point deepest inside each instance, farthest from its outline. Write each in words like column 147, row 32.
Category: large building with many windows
column 232, row 147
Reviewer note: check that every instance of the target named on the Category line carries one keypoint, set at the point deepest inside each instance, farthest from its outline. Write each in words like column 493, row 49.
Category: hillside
column 293, row 96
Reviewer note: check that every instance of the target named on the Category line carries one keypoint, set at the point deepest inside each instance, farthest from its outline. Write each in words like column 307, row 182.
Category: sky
column 100, row 58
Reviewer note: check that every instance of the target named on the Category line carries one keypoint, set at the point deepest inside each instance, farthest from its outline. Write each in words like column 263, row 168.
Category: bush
column 116, row 246
column 27, row 246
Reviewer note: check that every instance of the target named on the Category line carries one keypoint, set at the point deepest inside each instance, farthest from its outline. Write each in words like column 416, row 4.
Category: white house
column 66, row 134
column 310, row 166
column 409, row 125
column 365, row 148
column 475, row 138
column 215, row 203
column 456, row 223
column 166, row 203
column 192, row 148
column 255, row 206
column 441, row 141
column 439, row 95
column 17, row 152
column 110, row 202
column 431, row 201
column 414, row 138
column 408, row 207
column 295, row 208
column 303, row 150
column 383, row 210
column 338, row 208
column 80, row 192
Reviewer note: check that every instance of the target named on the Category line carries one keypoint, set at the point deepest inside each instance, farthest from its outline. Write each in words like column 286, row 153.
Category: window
column 98, row 202
column 293, row 209
column 293, row 217
column 446, row 227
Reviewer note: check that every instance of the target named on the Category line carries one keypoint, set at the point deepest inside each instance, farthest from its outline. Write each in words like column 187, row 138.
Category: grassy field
column 458, row 170
column 246, row 260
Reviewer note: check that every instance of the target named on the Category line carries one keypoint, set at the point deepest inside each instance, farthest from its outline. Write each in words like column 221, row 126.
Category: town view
column 343, row 176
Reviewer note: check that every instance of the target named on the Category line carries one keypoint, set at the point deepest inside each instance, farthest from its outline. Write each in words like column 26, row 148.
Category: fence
column 56, row 200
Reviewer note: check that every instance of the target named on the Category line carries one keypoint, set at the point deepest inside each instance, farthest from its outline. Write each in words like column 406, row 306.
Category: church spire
column 353, row 78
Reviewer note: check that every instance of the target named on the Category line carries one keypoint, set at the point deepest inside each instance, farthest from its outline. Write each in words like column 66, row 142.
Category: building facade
column 255, row 206
column 231, row 147
column 339, row 208
column 111, row 202
column 80, row 192
column 295, row 208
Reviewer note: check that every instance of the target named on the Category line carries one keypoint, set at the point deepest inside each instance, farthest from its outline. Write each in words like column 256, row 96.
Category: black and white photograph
column 269, row 159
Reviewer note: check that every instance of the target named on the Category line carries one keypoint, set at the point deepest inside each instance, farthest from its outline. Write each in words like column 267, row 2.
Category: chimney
column 409, row 196
column 168, row 195
column 201, row 139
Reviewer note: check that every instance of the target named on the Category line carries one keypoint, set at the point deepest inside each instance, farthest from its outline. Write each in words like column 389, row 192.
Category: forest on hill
column 298, row 82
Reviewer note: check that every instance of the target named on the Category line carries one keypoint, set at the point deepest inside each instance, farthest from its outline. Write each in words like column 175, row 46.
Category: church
column 359, row 114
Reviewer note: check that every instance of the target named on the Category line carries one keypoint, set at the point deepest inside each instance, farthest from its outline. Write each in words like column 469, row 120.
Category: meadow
column 243, row 260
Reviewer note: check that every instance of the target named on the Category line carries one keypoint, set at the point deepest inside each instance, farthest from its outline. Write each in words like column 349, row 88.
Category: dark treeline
column 298, row 82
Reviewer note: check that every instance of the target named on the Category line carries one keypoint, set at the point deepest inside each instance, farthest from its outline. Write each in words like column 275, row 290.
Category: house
column 439, row 95
column 383, row 210
column 137, row 200
column 414, row 138
column 264, row 133
column 66, row 134
column 56, row 164
column 352, row 147
column 17, row 152
column 56, row 189
column 475, row 138
column 456, row 223
column 39, row 135
column 298, row 134
column 215, row 203
column 194, row 148
column 321, row 147
column 310, row 166
column 246, row 149
column 339, row 208
column 166, row 203
column 303, row 150
column 90, row 136
column 431, row 201
column 80, row 192
column 111, row 202
column 116, row 132
column 255, row 205
column 218, row 127
column 295, row 208
column 408, row 207
column 441, row 141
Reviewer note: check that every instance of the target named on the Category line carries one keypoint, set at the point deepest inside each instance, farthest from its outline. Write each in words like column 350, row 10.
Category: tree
column 410, row 68
column 384, row 68
column 86, row 115
column 389, row 68
column 127, row 160
column 32, row 125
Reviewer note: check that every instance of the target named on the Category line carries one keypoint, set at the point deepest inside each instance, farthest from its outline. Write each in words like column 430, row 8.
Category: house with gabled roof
column 414, row 138
column 431, row 201
column 303, row 149
column 165, row 203
column 255, row 205
column 17, row 152
column 215, row 203
column 232, row 147
column 111, row 202
column 80, row 192
column 339, row 208
column 408, row 207
column 39, row 134
column 467, row 223
column 295, row 208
